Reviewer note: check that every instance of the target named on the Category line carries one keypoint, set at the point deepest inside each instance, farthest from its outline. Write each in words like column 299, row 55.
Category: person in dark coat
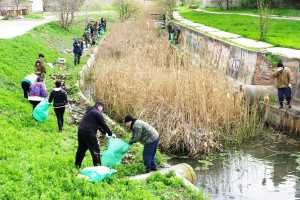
column 59, row 98
column 104, row 25
column 40, row 68
column 170, row 31
column 77, row 52
column 92, row 121
column 81, row 42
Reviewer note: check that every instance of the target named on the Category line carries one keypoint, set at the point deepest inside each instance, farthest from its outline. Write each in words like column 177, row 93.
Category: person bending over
column 92, row 121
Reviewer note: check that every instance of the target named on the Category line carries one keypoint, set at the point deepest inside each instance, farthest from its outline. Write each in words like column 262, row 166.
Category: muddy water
column 259, row 171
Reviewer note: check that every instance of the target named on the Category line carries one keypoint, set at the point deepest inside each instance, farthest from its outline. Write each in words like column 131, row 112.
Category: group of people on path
column 94, row 121
column 35, row 90
column 92, row 32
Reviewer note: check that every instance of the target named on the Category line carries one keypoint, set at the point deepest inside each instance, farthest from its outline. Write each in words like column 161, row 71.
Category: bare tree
column 66, row 10
column 169, row 6
column 126, row 8
column 46, row 4
column 263, row 7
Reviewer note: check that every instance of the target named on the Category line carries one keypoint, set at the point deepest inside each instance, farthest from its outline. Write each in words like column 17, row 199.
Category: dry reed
column 193, row 107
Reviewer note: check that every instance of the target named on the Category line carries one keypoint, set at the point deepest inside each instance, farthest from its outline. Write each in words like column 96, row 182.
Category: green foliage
column 37, row 162
column 297, row 156
column 205, row 164
column 273, row 59
column 248, row 3
column 208, row 160
column 280, row 32
column 34, row 16
column 125, row 8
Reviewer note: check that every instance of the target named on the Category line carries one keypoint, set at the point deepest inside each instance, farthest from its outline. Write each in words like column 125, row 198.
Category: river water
column 258, row 171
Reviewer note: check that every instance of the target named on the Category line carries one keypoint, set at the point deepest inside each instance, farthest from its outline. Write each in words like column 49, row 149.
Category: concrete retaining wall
column 242, row 59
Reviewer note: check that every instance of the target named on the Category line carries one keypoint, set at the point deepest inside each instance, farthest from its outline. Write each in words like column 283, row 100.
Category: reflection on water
column 257, row 172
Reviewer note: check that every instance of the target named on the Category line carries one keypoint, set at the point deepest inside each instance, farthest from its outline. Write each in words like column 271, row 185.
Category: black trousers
column 34, row 104
column 26, row 88
column 59, row 112
column 87, row 141
column 77, row 59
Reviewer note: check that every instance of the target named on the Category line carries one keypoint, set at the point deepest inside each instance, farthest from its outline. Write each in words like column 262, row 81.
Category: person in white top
column 27, row 82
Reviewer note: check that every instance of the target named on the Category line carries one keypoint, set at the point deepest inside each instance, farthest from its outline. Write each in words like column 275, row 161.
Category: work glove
column 279, row 69
column 113, row 135
column 290, row 85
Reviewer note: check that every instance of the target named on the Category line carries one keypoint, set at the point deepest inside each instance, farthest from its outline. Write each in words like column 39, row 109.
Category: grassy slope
column 273, row 11
column 36, row 162
column 281, row 32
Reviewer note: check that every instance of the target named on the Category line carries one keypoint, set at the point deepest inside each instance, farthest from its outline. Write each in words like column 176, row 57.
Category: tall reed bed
column 193, row 107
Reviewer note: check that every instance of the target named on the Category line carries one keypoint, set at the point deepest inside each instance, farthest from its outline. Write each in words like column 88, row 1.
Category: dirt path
column 251, row 15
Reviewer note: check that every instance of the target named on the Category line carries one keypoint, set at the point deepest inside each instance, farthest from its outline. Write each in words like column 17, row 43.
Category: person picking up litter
column 147, row 135
column 60, row 99
column 92, row 121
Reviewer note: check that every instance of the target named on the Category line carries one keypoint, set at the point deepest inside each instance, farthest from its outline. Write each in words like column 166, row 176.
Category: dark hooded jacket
column 59, row 97
column 92, row 121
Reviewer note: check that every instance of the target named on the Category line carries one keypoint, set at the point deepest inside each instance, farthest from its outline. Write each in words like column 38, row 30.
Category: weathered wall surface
column 238, row 63
column 247, row 66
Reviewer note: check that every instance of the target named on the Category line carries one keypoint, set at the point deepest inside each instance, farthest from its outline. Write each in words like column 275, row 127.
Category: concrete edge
column 269, row 50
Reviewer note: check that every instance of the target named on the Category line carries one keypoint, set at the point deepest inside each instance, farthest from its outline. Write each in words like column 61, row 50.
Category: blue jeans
column 284, row 93
column 149, row 155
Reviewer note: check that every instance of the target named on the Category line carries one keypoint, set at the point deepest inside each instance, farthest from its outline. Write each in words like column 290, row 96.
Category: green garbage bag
column 115, row 152
column 40, row 113
column 96, row 174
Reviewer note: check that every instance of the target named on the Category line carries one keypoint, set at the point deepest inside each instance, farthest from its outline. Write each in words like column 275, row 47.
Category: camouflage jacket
column 283, row 78
column 143, row 132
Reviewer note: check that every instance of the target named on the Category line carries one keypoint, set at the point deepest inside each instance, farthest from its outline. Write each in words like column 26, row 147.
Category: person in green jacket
column 147, row 135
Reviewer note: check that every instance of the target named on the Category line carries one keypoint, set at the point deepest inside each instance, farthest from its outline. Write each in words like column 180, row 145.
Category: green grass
column 37, row 162
column 281, row 32
column 34, row 16
column 273, row 11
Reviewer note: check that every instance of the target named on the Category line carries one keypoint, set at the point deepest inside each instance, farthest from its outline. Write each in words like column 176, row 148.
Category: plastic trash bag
column 96, row 174
column 40, row 113
column 115, row 152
